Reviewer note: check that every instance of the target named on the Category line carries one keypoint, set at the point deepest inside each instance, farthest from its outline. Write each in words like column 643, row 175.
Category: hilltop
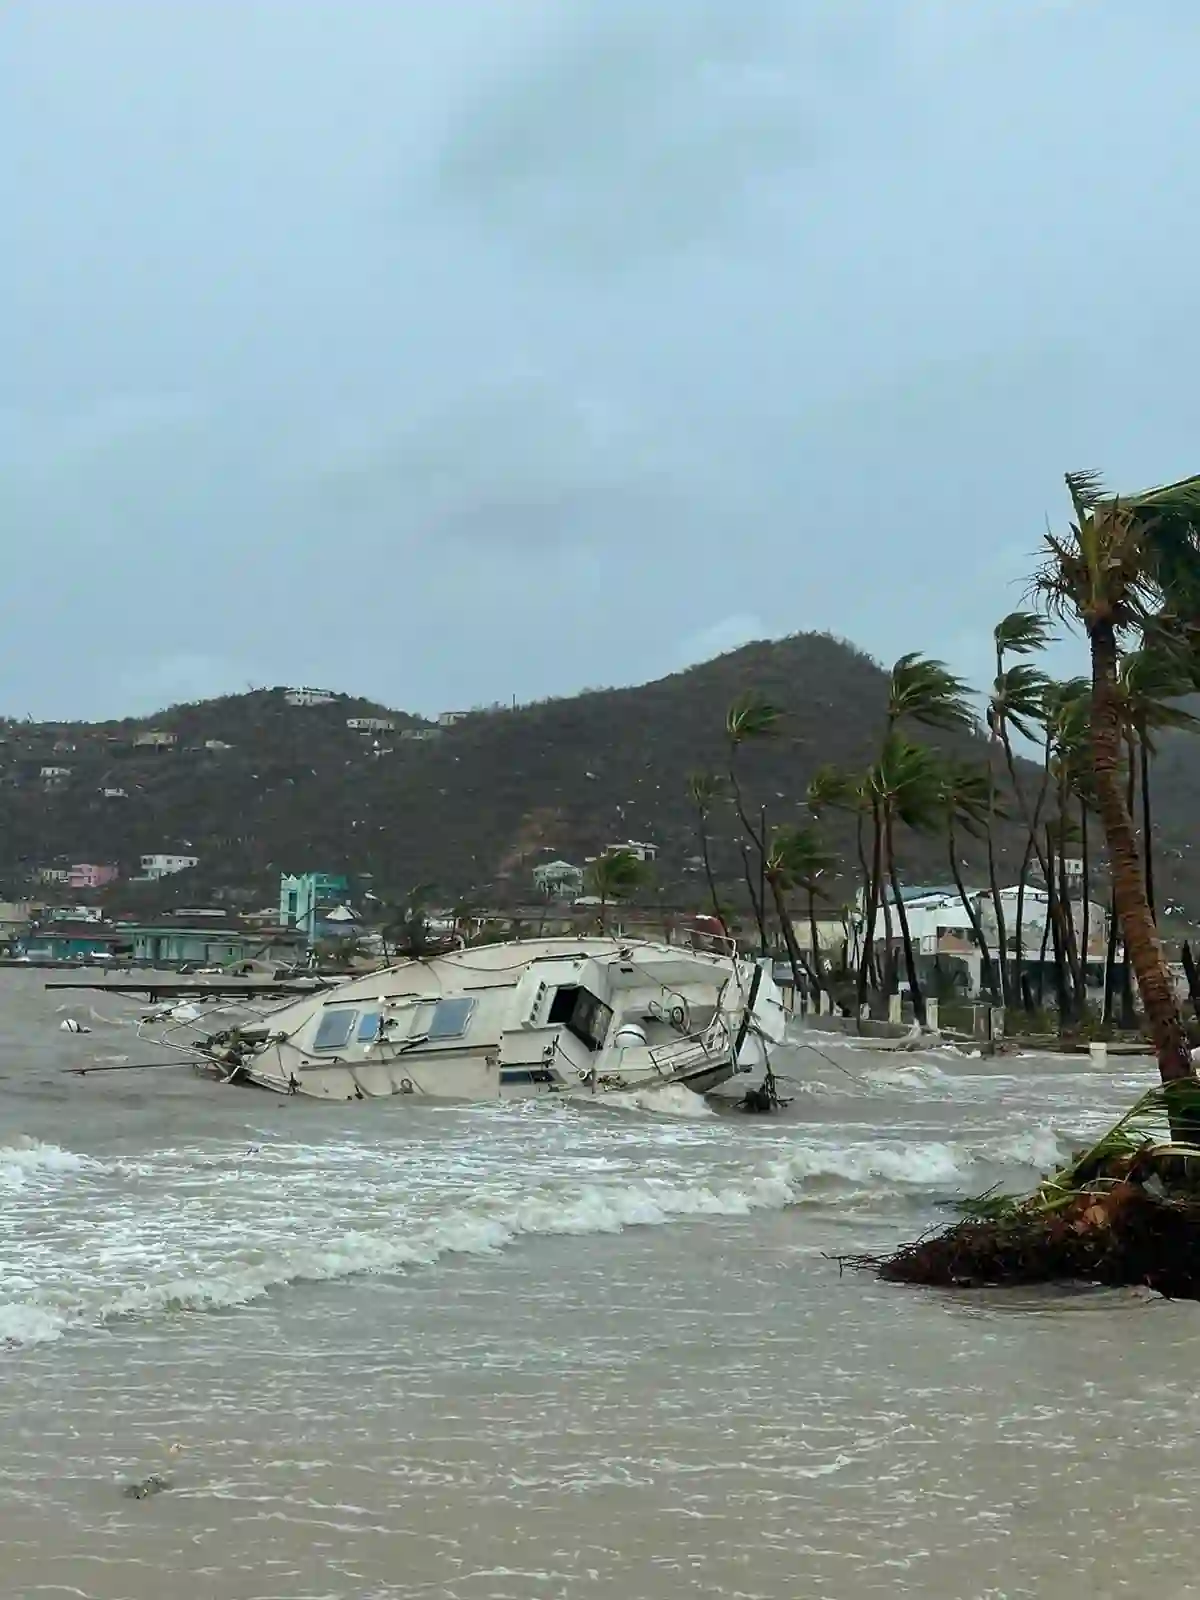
column 254, row 785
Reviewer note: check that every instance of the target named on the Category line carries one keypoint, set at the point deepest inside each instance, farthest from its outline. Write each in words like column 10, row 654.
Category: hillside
column 470, row 810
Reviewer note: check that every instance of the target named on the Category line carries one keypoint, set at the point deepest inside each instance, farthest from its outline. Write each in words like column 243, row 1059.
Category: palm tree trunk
column 874, row 878
column 1147, row 832
column 987, row 973
column 910, row 961
column 1055, row 923
column 818, row 960
column 998, row 912
column 1110, row 964
column 1085, row 891
column 1128, row 1009
column 802, row 978
column 702, row 830
column 1142, row 947
column 760, row 911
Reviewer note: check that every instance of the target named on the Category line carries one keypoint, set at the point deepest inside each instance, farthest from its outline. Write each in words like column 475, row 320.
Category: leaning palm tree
column 615, row 876
column 1016, row 703
column 750, row 718
column 924, row 691
column 832, row 789
column 1151, row 683
column 797, row 859
column 966, row 801
column 906, row 786
column 1128, row 565
column 705, row 789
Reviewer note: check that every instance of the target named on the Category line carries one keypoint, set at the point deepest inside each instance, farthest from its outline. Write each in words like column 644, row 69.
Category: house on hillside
column 558, row 880
column 447, row 719
column 49, row 874
column 371, row 724
column 91, row 874
column 154, row 739
column 305, row 696
column 55, row 777
column 635, row 847
column 160, row 865
column 413, row 734
column 217, row 744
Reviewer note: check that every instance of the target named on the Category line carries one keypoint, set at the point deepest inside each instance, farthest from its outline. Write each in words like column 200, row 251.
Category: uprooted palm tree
column 797, row 859
column 614, row 877
column 1128, row 565
column 924, row 691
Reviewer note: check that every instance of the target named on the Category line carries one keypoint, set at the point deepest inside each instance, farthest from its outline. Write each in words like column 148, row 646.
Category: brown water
column 522, row 1353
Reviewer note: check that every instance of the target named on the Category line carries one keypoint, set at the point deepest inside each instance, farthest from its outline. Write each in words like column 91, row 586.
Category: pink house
column 91, row 875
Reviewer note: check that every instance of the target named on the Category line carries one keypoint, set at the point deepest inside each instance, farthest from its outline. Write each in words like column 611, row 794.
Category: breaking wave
column 487, row 1224
column 31, row 1158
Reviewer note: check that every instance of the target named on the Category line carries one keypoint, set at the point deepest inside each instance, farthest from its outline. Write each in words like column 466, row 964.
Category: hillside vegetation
column 471, row 811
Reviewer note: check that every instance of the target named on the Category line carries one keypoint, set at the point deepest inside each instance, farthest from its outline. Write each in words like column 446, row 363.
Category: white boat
column 532, row 1017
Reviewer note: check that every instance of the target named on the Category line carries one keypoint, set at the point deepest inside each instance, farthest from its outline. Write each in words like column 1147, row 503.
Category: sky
column 450, row 353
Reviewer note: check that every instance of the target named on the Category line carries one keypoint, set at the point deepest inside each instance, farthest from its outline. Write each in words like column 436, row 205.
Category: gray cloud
column 452, row 352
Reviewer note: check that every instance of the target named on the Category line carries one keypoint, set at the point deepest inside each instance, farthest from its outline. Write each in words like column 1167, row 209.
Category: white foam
column 28, row 1157
column 667, row 1100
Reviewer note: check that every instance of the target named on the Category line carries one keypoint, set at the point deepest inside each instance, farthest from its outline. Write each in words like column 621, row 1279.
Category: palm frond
column 751, row 716
column 926, row 691
column 1022, row 633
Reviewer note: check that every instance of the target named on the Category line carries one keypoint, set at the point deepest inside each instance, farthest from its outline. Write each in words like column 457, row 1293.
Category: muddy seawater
column 546, row 1350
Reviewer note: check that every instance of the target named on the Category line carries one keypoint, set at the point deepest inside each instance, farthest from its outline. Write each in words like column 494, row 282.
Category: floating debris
column 154, row 1484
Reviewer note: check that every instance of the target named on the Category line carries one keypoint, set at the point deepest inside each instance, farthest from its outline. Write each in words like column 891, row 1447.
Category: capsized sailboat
column 532, row 1017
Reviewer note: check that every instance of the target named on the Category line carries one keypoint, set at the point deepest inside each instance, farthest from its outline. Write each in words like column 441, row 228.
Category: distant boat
column 590, row 1016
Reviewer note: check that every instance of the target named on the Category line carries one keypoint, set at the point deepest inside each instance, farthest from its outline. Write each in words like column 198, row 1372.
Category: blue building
column 303, row 899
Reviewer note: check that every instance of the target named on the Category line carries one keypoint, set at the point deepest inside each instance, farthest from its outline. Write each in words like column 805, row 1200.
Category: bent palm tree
column 705, row 790
column 965, row 798
column 615, row 876
column 906, row 785
column 919, row 690
column 750, row 717
column 1128, row 565
column 1151, row 682
column 797, row 859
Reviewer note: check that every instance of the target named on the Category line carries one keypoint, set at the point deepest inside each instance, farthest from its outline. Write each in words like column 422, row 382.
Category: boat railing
column 713, row 1040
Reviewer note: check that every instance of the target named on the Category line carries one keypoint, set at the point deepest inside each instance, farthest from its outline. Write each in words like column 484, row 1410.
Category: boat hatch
column 443, row 1019
column 582, row 1014
column 335, row 1028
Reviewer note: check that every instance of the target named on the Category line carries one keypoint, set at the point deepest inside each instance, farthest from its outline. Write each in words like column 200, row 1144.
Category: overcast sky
column 450, row 352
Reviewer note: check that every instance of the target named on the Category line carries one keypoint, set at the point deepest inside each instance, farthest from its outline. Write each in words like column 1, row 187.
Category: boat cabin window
column 334, row 1029
column 445, row 1019
column 582, row 1014
column 370, row 1027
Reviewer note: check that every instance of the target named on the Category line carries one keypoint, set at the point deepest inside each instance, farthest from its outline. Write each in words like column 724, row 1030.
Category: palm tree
column 1128, row 565
column 797, row 859
column 1016, row 701
column 965, row 798
column 705, row 789
column 831, row 789
column 617, row 875
column 1151, row 682
column 750, row 717
column 906, row 786
column 920, row 690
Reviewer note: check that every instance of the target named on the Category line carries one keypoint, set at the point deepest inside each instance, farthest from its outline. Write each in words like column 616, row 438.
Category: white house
column 413, row 734
column 635, row 847
column 447, row 719
column 558, row 880
column 154, row 739
column 162, row 865
column 305, row 696
column 55, row 777
column 371, row 724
